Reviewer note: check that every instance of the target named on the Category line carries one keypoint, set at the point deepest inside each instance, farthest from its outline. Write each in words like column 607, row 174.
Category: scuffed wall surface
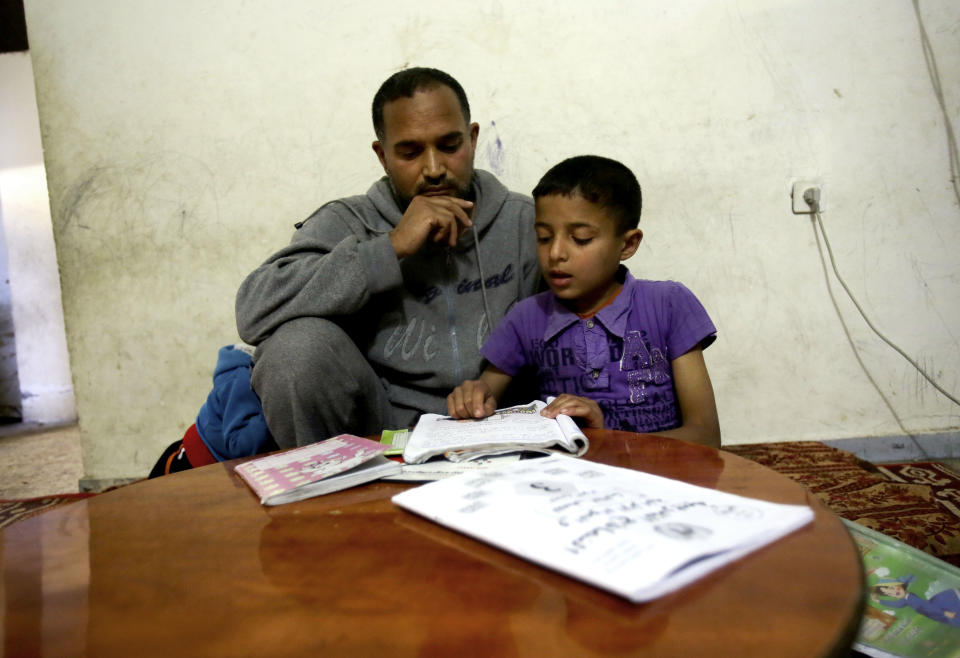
column 184, row 139
column 10, row 407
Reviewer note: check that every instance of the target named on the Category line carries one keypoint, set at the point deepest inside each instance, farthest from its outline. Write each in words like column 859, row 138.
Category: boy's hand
column 576, row 407
column 440, row 219
column 472, row 399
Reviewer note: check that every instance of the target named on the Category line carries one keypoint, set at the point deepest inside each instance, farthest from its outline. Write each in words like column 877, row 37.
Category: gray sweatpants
column 315, row 383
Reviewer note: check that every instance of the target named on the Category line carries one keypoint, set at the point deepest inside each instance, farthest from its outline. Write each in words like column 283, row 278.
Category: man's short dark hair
column 602, row 181
column 405, row 83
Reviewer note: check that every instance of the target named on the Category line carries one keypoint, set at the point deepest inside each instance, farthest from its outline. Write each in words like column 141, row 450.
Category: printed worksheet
column 632, row 533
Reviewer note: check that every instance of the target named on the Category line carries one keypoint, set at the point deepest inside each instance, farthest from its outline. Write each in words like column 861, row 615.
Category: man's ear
column 631, row 241
column 378, row 149
column 474, row 133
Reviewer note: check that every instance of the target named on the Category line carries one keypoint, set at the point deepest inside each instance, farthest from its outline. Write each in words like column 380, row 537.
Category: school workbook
column 513, row 429
column 316, row 469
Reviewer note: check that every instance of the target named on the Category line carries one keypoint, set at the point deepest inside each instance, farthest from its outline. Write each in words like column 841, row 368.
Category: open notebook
column 512, row 429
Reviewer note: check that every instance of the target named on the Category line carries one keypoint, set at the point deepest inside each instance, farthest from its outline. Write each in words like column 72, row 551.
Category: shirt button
column 596, row 373
column 589, row 324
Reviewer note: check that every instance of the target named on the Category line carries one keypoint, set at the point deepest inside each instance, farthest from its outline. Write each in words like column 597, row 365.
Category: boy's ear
column 631, row 241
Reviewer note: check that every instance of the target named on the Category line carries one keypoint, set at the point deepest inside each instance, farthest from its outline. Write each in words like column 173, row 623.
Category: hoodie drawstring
column 483, row 283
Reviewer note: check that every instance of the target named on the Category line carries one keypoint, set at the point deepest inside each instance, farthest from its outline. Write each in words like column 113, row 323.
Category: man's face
column 427, row 146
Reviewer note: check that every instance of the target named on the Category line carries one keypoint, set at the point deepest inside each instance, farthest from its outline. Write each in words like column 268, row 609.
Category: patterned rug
column 918, row 504
column 943, row 481
column 17, row 510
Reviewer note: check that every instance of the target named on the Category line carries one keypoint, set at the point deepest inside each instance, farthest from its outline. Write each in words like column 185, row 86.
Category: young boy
column 617, row 352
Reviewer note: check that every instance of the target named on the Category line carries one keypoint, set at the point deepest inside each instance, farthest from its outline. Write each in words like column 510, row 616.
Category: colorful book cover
column 276, row 474
column 395, row 440
column 913, row 600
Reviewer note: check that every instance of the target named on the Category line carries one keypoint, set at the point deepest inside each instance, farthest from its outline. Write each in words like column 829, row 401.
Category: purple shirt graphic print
column 620, row 357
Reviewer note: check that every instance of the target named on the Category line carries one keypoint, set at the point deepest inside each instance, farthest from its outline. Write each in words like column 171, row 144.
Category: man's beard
column 461, row 192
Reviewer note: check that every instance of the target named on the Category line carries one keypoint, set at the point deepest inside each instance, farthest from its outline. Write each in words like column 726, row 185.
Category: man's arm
column 331, row 267
column 698, row 408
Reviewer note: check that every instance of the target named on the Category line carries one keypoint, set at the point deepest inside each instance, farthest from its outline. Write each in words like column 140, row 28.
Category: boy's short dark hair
column 405, row 83
column 602, row 181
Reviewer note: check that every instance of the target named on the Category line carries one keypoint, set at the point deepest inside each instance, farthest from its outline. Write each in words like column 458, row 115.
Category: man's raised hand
column 439, row 219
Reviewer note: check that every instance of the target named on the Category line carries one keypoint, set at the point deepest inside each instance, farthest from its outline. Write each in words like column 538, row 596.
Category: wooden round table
column 191, row 564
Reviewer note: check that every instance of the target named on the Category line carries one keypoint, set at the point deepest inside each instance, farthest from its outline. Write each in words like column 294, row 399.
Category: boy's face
column 896, row 591
column 427, row 146
column 579, row 250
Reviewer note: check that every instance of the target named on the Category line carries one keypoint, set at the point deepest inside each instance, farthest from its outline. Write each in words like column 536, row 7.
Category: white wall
column 42, row 364
column 184, row 139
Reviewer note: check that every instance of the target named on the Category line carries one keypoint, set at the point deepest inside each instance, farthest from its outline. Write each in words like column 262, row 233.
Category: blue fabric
column 943, row 606
column 231, row 421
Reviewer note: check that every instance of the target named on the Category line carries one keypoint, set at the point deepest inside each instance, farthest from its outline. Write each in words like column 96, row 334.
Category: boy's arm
column 477, row 398
column 698, row 408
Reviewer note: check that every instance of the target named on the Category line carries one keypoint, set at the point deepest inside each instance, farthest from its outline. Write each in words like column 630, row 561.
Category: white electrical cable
column 816, row 213
column 934, row 72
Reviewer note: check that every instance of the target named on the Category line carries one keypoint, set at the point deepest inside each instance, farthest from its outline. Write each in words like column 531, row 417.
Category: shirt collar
column 613, row 317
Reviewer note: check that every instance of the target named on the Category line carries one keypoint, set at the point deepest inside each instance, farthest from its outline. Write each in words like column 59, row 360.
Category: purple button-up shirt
column 620, row 357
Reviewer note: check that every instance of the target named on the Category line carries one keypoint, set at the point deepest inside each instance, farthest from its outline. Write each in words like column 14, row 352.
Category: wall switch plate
column 799, row 204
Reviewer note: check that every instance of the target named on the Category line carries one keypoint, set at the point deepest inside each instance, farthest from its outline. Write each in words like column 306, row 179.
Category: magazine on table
column 513, row 429
column 913, row 600
column 632, row 533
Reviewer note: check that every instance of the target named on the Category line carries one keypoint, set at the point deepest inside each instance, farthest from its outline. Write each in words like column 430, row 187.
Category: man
column 379, row 305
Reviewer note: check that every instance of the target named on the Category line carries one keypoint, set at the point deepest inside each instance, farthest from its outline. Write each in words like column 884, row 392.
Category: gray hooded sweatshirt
column 419, row 321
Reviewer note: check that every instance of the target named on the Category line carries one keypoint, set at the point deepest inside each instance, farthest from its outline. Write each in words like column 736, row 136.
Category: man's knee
column 304, row 349
column 309, row 356
column 315, row 383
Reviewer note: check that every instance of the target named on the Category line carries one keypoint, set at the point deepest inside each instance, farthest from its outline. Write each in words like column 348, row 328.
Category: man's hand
column 435, row 218
column 472, row 399
column 576, row 407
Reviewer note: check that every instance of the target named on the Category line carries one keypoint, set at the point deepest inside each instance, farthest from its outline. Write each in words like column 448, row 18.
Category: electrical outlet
column 799, row 204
